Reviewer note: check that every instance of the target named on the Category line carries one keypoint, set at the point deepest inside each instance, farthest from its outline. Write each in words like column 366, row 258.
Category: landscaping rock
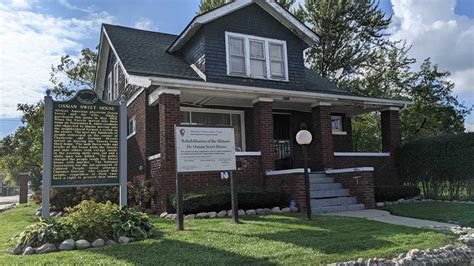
column 212, row 215
column 202, row 215
column 46, row 248
column 38, row 213
column 53, row 214
column 82, row 244
column 110, row 242
column 229, row 213
column 98, row 243
column 67, row 244
column 241, row 212
column 260, row 211
column 267, row 210
column 380, row 204
column 190, row 216
column 250, row 212
column 294, row 209
column 285, row 210
column 221, row 214
column 171, row 216
column 276, row 210
column 163, row 215
column 28, row 251
column 18, row 250
column 123, row 240
column 60, row 214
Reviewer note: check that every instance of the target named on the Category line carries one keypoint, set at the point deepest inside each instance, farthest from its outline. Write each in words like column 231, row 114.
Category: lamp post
column 303, row 138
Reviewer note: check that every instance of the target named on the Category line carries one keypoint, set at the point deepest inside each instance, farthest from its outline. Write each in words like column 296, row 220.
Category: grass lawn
column 270, row 239
column 459, row 213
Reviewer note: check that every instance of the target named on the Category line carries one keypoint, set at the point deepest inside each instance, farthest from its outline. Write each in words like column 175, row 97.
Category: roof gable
column 270, row 6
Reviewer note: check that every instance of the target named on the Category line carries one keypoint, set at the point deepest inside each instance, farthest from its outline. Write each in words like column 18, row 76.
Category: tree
column 435, row 111
column 349, row 32
column 207, row 5
column 23, row 151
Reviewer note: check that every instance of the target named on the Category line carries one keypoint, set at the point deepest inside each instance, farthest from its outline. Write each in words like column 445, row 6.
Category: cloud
column 435, row 31
column 70, row 6
column 30, row 43
column 144, row 24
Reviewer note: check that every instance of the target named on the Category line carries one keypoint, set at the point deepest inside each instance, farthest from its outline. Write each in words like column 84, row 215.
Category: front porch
column 266, row 125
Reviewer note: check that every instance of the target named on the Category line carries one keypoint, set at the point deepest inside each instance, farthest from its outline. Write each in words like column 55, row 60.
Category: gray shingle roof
column 143, row 53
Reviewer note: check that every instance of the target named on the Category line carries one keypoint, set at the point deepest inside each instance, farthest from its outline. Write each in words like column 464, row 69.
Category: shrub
column 44, row 231
column 220, row 199
column 92, row 220
column 140, row 193
column 443, row 166
column 129, row 223
column 393, row 193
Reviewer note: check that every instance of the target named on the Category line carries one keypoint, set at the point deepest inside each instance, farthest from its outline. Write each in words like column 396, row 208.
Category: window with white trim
column 256, row 57
column 115, row 93
column 132, row 126
column 217, row 117
column 336, row 123
column 109, row 87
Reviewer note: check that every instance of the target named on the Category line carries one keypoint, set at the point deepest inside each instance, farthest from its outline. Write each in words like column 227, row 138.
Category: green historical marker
column 84, row 144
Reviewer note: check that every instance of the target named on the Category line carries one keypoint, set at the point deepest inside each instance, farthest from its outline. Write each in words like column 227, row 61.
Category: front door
column 282, row 141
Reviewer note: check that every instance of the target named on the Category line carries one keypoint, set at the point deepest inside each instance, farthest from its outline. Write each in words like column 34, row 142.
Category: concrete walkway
column 386, row 217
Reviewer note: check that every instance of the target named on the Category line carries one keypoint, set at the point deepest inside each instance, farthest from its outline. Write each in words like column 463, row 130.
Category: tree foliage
column 23, row 150
column 207, row 5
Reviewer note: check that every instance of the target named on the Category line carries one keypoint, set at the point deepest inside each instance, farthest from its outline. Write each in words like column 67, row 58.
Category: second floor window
column 256, row 57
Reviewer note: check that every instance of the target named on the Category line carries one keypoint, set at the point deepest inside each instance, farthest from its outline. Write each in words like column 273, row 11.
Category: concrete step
column 321, row 175
column 324, row 186
column 329, row 193
column 340, row 208
column 321, row 180
column 333, row 201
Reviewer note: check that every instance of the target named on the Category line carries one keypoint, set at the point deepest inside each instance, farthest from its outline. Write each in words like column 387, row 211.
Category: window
column 115, row 93
column 109, row 87
column 132, row 126
column 217, row 117
column 256, row 57
column 336, row 123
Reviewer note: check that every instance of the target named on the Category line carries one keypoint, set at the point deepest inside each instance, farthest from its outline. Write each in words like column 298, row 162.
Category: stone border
column 417, row 200
column 69, row 244
column 7, row 207
column 224, row 213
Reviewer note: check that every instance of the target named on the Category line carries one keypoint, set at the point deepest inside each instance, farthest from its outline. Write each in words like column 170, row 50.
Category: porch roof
column 205, row 94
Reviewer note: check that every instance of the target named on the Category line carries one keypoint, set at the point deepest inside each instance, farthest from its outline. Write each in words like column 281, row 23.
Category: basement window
column 256, row 57
column 217, row 117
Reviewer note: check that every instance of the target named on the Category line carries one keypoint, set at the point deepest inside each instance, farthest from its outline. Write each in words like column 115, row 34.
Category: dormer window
column 256, row 57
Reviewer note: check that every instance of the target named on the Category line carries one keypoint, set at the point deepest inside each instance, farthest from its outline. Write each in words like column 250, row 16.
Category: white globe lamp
column 303, row 137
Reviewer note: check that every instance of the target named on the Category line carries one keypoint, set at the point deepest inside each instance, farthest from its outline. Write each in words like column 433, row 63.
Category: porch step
column 320, row 180
column 324, row 186
column 333, row 201
column 329, row 193
column 340, row 208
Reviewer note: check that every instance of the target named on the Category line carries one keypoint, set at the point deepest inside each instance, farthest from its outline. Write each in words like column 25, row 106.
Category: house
column 242, row 65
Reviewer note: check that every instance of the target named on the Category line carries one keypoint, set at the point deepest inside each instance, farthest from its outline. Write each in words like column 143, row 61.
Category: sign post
column 84, row 144
column 203, row 149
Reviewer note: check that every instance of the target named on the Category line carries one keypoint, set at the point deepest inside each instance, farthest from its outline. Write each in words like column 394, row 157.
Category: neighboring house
column 242, row 65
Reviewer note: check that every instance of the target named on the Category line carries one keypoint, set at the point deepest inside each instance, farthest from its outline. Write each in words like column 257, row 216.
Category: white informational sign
column 200, row 149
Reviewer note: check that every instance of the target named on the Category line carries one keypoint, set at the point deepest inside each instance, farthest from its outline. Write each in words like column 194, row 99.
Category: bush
column 393, row 193
column 443, row 166
column 140, row 193
column 220, row 199
column 92, row 220
column 44, row 231
column 129, row 223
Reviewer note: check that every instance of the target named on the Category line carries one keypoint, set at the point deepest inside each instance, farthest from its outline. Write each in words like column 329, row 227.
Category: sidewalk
column 9, row 199
column 386, row 217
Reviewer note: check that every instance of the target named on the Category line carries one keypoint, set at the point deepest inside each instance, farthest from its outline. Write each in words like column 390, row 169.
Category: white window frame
column 218, row 111
column 134, row 120
column 267, row 43
column 109, row 87
column 116, row 81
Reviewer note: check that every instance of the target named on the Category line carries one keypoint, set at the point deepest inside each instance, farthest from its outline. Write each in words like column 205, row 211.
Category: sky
column 34, row 34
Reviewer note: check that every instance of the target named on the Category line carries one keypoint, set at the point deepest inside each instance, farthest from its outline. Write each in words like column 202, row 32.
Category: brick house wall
column 360, row 185
column 384, row 173
column 291, row 184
